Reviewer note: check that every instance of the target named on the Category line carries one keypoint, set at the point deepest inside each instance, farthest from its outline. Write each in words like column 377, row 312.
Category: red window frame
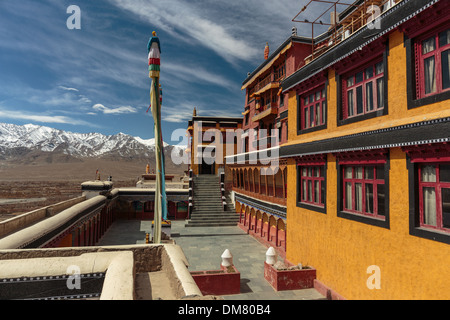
column 364, row 181
column 308, row 176
column 420, row 62
column 313, row 101
column 371, row 74
column 438, row 186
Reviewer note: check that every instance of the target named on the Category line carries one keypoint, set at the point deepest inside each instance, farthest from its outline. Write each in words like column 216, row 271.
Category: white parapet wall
column 27, row 235
column 25, row 220
column 120, row 264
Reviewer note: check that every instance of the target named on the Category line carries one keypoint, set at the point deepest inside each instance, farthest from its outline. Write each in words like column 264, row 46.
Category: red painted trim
column 428, row 153
column 378, row 156
column 314, row 160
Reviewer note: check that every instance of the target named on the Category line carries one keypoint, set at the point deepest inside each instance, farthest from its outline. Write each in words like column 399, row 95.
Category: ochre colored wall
column 340, row 249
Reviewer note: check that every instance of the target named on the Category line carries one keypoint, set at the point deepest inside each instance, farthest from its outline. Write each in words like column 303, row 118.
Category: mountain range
column 34, row 145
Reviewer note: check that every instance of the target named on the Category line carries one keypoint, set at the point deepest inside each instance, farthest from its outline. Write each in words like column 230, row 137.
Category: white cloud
column 176, row 116
column 118, row 110
column 42, row 118
column 194, row 74
column 68, row 89
column 181, row 19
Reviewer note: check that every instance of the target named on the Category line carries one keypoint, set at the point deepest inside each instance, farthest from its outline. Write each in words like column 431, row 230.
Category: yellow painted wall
column 340, row 249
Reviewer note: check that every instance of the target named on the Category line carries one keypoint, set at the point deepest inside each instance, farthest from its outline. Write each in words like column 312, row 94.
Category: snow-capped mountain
column 32, row 137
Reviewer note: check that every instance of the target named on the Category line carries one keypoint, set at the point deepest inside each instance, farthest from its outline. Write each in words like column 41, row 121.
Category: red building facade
column 258, row 184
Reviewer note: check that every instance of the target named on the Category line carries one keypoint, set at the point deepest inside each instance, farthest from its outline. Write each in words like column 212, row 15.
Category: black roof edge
column 425, row 132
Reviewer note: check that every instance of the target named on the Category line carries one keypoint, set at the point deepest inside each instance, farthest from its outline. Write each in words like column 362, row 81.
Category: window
column 281, row 100
column 434, row 196
column 428, row 68
column 363, row 186
column 313, row 109
column 364, row 190
column 433, row 55
column 312, row 185
column 429, row 191
column 279, row 72
column 311, row 182
column 364, row 91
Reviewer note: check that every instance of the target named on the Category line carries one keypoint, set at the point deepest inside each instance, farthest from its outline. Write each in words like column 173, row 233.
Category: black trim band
column 433, row 131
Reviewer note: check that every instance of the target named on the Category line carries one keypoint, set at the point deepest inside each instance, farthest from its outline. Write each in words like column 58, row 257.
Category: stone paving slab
column 203, row 247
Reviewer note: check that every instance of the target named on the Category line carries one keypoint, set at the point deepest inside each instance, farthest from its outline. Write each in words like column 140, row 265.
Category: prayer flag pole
column 154, row 62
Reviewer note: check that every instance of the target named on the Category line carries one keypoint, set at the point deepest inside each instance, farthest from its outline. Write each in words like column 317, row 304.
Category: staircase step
column 215, row 214
column 208, row 204
column 211, row 224
column 199, row 205
column 209, row 219
column 215, row 195
column 213, row 221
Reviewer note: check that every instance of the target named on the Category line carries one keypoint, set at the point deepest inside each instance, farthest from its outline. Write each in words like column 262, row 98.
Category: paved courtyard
column 203, row 247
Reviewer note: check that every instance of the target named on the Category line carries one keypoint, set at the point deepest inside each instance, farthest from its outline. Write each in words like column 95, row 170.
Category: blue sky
column 95, row 79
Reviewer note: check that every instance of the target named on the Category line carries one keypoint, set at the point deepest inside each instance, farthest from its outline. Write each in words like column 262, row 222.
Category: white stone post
column 271, row 256
column 227, row 258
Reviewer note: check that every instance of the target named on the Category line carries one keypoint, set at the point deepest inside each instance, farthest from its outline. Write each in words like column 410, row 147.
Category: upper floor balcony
column 269, row 110
column 345, row 24
column 270, row 81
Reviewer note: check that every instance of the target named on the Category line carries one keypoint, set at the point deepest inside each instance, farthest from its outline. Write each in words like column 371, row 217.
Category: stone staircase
column 208, row 210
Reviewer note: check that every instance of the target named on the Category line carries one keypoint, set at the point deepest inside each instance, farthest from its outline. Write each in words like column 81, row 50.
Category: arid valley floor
column 24, row 188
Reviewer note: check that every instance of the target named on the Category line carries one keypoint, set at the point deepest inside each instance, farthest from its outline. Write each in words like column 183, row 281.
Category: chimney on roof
column 195, row 112
column 266, row 51
column 294, row 31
